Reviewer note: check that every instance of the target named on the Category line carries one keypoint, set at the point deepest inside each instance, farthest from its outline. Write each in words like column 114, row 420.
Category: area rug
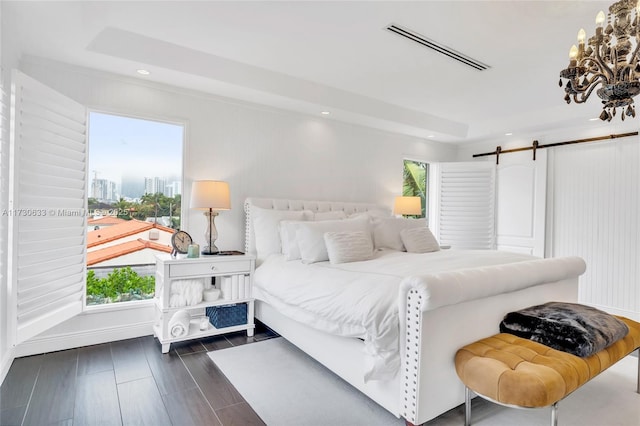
column 286, row 387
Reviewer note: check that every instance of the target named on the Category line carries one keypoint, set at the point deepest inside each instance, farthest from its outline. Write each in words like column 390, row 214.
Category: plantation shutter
column 47, row 220
column 4, row 190
column 464, row 205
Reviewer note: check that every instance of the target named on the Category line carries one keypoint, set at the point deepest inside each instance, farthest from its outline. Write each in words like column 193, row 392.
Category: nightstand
column 234, row 273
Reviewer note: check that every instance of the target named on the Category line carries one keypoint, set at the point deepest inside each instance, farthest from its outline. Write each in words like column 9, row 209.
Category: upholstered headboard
column 314, row 206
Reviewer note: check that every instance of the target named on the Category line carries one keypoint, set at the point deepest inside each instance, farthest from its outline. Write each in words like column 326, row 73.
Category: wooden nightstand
column 235, row 272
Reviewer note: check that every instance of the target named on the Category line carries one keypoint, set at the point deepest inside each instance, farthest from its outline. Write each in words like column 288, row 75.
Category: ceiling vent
column 413, row 36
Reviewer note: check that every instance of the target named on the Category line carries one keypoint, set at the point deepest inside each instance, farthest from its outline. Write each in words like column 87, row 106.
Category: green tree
column 158, row 205
column 415, row 182
column 92, row 202
column 123, row 207
column 121, row 284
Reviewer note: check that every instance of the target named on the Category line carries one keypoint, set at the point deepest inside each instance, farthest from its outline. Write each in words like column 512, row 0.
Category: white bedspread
column 360, row 299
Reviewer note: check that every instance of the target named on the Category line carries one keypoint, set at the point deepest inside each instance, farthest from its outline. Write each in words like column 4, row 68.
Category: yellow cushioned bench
column 518, row 372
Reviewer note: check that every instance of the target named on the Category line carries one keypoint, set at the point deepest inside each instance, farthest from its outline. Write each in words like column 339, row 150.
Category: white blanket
column 360, row 299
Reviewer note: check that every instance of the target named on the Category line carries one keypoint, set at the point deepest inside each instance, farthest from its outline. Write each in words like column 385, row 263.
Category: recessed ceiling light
column 508, row 134
column 325, row 112
column 594, row 119
column 143, row 72
column 431, row 136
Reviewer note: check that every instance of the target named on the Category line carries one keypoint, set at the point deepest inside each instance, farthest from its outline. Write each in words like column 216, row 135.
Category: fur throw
column 578, row 329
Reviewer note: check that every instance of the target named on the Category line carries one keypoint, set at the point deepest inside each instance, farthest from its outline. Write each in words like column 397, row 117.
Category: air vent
column 408, row 34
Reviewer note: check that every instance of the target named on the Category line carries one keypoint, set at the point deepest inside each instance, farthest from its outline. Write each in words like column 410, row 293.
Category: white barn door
column 521, row 202
column 47, row 208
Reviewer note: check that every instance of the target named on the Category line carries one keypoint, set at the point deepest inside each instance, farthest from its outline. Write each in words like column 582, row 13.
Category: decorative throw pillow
column 310, row 236
column 266, row 228
column 344, row 247
column 386, row 234
column 419, row 240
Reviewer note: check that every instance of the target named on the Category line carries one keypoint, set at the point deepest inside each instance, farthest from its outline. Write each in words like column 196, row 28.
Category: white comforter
column 360, row 299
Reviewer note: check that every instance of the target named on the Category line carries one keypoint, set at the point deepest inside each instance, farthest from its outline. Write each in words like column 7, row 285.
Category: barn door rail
column 535, row 145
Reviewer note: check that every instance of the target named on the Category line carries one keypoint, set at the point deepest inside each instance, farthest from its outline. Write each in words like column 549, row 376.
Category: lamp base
column 210, row 251
column 211, row 235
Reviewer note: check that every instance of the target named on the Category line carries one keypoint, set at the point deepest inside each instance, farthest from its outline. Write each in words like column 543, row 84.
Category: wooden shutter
column 464, row 204
column 47, row 207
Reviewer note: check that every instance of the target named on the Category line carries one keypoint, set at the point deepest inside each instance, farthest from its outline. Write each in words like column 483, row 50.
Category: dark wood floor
column 129, row 382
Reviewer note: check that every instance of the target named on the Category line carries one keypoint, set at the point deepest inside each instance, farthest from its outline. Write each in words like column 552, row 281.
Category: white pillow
column 290, row 247
column 419, row 240
column 330, row 215
column 386, row 233
column 288, row 228
column 344, row 247
column 266, row 224
column 310, row 236
column 374, row 215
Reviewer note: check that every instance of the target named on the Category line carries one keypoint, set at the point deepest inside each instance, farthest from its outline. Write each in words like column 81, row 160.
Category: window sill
column 120, row 306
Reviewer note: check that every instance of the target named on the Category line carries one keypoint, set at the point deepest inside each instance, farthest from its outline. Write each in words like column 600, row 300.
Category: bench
column 513, row 371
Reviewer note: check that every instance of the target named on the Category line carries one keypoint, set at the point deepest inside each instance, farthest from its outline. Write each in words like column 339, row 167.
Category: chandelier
column 609, row 59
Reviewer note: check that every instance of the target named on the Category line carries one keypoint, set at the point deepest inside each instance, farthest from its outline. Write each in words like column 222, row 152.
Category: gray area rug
column 286, row 387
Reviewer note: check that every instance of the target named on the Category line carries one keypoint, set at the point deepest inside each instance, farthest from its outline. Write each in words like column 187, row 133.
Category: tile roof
column 111, row 252
column 121, row 230
column 105, row 220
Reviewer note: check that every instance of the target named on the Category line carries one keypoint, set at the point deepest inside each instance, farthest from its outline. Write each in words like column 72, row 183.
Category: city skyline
column 106, row 190
column 125, row 148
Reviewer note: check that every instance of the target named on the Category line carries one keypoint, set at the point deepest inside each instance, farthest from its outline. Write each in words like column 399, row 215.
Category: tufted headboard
column 314, row 206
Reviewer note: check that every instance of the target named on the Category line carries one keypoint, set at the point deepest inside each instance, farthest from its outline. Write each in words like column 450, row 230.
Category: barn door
column 521, row 202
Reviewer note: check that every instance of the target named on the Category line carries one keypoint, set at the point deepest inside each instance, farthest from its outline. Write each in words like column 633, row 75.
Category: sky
column 123, row 146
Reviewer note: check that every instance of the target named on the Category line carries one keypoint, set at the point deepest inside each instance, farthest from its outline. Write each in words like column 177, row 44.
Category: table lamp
column 211, row 196
column 407, row 206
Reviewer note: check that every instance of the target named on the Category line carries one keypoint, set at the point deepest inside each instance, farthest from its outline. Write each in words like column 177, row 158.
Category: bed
column 391, row 325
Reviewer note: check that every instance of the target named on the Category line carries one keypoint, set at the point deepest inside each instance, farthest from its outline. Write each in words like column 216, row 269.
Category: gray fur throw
column 578, row 329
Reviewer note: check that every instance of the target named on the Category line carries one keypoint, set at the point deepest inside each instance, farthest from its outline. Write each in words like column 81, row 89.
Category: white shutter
column 47, row 207
column 4, row 190
column 464, row 205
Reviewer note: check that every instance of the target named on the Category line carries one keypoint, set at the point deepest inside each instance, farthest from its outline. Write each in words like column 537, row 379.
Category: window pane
column 415, row 180
column 135, row 186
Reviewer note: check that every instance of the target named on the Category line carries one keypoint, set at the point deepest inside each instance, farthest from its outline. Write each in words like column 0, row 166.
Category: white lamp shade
column 210, row 194
column 407, row 205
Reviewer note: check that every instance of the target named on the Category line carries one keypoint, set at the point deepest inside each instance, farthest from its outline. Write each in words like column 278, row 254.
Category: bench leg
column 467, row 406
column 554, row 414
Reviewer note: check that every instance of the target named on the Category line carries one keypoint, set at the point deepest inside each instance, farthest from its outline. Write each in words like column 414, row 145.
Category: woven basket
column 227, row 315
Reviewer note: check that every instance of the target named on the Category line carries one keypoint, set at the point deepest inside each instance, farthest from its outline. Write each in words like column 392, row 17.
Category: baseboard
column 62, row 341
column 5, row 364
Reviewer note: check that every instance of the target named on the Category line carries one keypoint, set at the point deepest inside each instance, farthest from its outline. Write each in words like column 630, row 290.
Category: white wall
column 259, row 150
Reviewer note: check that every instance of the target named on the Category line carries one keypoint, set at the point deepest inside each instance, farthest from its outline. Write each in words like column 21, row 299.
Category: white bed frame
column 433, row 327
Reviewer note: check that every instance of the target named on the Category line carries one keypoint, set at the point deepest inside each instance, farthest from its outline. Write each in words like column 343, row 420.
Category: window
column 414, row 182
column 134, row 203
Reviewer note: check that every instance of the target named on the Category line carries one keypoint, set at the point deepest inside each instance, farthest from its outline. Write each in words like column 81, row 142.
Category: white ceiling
column 312, row 56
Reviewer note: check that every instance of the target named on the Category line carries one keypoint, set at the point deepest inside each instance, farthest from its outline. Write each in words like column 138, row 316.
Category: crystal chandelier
column 609, row 59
